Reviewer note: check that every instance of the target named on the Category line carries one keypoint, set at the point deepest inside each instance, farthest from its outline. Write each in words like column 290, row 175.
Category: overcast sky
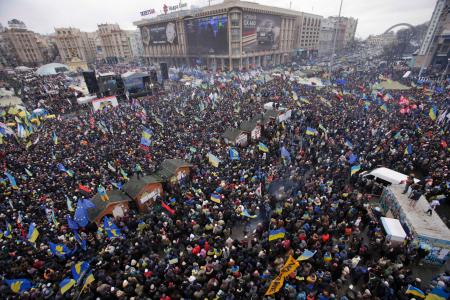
column 42, row 16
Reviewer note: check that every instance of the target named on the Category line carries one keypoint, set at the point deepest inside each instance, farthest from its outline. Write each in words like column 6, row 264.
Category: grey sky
column 44, row 15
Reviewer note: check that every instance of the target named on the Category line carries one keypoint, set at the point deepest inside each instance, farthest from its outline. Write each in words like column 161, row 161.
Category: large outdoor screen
column 158, row 34
column 207, row 35
column 260, row 32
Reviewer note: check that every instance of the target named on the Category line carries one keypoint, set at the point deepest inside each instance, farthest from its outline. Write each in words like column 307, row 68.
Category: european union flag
column 71, row 222
column 79, row 270
column 352, row 158
column 81, row 216
column 60, row 250
column 19, row 285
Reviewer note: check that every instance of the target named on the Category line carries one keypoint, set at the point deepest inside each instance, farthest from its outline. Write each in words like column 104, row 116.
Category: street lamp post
column 334, row 39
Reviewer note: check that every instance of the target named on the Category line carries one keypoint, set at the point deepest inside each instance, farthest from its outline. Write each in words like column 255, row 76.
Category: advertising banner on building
column 159, row 34
column 207, row 35
column 260, row 32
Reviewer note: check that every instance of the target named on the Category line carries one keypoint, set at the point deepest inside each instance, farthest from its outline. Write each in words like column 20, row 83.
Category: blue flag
column 12, row 180
column 111, row 229
column 81, row 216
column 352, row 159
column 19, row 285
column 234, row 154
column 285, row 153
column 60, row 250
column 79, row 270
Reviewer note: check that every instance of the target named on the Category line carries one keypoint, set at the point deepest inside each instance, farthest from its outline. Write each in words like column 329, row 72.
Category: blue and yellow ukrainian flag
column 213, row 160
column 79, row 270
column 111, row 229
column 384, row 107
column 33, row 233
column 327, row 257
column 433, row 113
column 102, row 192
column 311, row 131
column 66, row 284
column 307, row 254
column 408, row 150
column 19, row 285
column 88, row 280
column 215, row 198
column 355, row 169
column 55, row 138
column 277, row 234
column 12, row 180
column 412, row 290
column 8, row 232
column 124, row 174
column 437, row 294
column 245, row 213
column 59, row 250
column 262, row 147
column 234, row 154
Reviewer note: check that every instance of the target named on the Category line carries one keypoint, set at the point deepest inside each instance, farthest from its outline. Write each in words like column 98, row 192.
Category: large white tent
column 52, row 69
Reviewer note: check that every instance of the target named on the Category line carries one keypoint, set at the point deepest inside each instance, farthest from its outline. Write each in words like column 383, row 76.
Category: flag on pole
column 355, row 169
column 408, row 150
column 81, row 216
column 384, row 107
column 311, row 131
column 111, row 167
column 213, row 160
column 285, row 153
column 433, row 113
column 307, row 254
column 79, row 270
column 215, row 198
column 12, row 180
column 69, row 204
column 262, row 147
column 412, row 290
column 28, row 172
column 437, row 293
column 33, row 233
column 348, row 144
column 245, row 213
column 59, row 250
column 234, row 154
column 124, row 174
column 111, row 229
column 55, row 138
column 102, row 192
column 8, row 232
column 87, row 281
column 258, row 191
column 19, row 285
column 66, row 284
column 277, row 234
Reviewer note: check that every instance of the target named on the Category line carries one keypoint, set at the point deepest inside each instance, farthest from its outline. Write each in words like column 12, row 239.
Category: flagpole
column 334, row 40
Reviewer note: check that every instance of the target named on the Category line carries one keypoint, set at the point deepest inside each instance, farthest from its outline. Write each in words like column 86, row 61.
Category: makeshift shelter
column 235, row 137
column 23, row 69
column 52, row 69
column 394, row 230
column 116, row 205
column 174, row 170
column 390, row 85
column 253, row 128
column 144, row 190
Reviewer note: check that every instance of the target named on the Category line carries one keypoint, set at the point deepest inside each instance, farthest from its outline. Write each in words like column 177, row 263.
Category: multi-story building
column 379, row 41
column 233, row 34
column 75, row 44
column 342, row 29
column 21, row 44
column 434, row 49
column 115, row 43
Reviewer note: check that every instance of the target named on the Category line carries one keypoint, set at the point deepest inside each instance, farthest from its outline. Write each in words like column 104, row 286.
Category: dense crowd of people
column 199, row 252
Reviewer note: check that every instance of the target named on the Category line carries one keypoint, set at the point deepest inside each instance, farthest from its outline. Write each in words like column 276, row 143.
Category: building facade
column 115, row 43
column 343, row 29
column 435, row 45
column 21, row 44
column 137, row 48
column 75, row 44
column 231, row 35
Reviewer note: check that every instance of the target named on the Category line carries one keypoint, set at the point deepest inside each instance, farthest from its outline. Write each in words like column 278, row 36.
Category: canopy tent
column 52, row 69
column 390, row 85
column 22, row 69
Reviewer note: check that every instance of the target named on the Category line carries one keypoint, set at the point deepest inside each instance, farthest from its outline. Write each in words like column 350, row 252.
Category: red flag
column 84, row 188
column 444, row 144
column 170, row 210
